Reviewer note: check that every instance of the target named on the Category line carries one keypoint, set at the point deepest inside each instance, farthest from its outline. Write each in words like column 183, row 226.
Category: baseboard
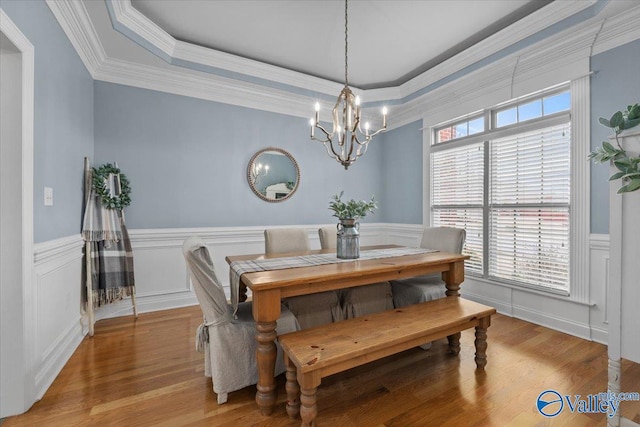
column 57, row 355
column 146, row 304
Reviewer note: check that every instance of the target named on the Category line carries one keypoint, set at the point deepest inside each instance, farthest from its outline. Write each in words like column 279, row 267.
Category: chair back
column 209, row 292
column 328, row 238
column 281, row 240
column 445, row 239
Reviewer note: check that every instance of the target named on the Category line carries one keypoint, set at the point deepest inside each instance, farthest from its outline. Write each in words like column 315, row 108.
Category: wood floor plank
column 145, row 372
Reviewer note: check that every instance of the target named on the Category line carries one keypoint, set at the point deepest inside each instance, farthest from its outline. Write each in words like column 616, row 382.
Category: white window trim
column 579, row 231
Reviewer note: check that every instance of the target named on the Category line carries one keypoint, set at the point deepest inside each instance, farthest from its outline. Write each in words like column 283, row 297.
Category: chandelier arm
column 330, row 151
column 313, row 138
column 327, row 134
column 365, row 142
column 354, row 137
column 364, row 148
column 377, row 132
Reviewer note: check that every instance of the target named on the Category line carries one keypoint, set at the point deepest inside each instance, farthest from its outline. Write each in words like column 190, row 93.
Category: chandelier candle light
column 350, row 141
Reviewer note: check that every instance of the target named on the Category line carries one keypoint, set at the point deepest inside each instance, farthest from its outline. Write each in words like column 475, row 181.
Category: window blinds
column 457, row 196
column 529, row 194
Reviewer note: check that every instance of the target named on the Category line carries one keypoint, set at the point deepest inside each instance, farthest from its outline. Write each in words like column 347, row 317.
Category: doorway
column 17, row 314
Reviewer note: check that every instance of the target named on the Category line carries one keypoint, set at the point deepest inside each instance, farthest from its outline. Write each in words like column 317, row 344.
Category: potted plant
column 628, row 166
column 348, row 238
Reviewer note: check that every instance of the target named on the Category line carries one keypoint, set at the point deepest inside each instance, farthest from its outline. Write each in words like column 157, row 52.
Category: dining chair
column 360, row 300
column 228, row 342
column 312, row 309
column 328, row 237
column 428, row 287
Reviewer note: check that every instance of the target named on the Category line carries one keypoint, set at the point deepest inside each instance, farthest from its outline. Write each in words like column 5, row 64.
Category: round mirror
column 273, row 174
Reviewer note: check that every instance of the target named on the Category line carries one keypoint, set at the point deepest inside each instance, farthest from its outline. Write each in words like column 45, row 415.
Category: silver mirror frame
column 251, row 182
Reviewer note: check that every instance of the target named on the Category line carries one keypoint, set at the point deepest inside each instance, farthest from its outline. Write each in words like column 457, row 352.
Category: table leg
column 453, row 278
column 266, row 310
column 266, row 358
column 481, row 342
column 454, row 343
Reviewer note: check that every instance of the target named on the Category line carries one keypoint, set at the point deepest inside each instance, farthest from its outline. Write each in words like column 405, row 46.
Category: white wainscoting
column 162, row 282
column 586, row 320
column 57, row 301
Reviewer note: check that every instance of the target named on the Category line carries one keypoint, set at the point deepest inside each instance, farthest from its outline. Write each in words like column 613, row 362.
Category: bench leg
column 454, row 343
column 481, row 342
column 293, row 389
column 309, row 409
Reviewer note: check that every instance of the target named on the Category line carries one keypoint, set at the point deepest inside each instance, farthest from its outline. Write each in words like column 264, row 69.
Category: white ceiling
column 390, row 41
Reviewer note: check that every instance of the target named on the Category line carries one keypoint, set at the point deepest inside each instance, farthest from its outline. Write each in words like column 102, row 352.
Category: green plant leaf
column 616, row 120
column 633, row 111
column 630, row 123
column 616, row 176
column 632, row 186
column 608, row 147
column 604, row 122
column 623, row 164
column 633, row 175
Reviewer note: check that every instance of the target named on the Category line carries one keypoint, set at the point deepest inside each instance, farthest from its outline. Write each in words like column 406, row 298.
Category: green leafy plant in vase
column 348, row 236
column 628, row 166
column 352, row 209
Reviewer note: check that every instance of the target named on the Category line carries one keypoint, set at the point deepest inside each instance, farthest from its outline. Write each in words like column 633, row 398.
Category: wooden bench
column 315, row 353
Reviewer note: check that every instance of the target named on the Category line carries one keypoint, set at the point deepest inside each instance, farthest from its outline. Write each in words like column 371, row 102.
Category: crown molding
column 618, row 30
column 202, row 86
column 75, row 22
column 561, row 50
column 128, row 17
column 518, row 31
column 135, row 25
column 128, row 20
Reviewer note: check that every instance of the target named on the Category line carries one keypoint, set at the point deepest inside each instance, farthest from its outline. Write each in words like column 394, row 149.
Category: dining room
column 225, row 130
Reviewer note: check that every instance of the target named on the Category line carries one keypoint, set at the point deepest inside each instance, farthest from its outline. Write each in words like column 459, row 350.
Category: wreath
column 100, row 179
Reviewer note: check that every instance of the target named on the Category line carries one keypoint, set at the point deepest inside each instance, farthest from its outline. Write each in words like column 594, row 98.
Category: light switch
column 48, row 196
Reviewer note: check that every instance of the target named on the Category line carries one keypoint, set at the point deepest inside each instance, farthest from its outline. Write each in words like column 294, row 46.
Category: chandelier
column 347, row 141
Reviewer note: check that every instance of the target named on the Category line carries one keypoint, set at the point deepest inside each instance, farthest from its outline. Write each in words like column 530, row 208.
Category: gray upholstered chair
column 431, row 286
column 360, row 300
column 313, row 309
column 327, row 235
column 228, row 343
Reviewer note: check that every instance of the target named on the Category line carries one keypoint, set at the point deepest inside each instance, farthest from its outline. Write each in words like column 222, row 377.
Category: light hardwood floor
column 146, row 372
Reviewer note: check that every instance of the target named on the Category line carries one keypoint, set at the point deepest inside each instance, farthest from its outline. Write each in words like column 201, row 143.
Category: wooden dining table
column 269, row 287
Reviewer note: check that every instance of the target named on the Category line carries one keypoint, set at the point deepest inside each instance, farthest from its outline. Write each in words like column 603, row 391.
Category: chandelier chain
column 346, row 43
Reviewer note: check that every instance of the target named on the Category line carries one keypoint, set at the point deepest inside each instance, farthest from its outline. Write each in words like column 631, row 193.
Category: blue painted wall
column 63, row 112
column 401, row 191
column 615, row 84
column 187, row 161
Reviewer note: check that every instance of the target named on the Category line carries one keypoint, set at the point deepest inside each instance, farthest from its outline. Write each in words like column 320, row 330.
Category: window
column 460, row 129
column 509, row 188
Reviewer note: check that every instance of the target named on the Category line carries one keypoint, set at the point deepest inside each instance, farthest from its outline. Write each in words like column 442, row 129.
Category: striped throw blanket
column 238, row 268
column 111, row 253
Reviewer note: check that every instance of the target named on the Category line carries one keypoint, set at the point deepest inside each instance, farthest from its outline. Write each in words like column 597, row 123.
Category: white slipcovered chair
column 360, row 300
column 327, row 235
column 313, row 309
column 228, row 343
column 429, row 287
